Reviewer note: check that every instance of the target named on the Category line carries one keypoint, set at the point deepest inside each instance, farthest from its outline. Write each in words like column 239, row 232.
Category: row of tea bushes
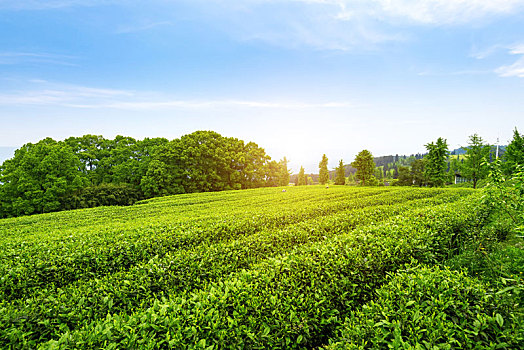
column 28, row 268
column 295, row 300
column 431, row 308
column 182, row 271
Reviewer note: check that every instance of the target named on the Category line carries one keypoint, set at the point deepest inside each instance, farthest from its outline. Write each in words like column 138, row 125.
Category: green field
column 256, row 268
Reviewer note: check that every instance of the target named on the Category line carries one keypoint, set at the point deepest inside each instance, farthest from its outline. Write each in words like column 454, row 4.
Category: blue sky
column 300, row 78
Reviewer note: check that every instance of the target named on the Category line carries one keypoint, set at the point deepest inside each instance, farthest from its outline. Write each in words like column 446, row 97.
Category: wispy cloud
column 12, row 58
column 517, row 68
column 49, row 4
column 444, row 12
column 80, row 97
column 483, row 53
column 321, row 24
column 345, row 24
column 455, row 73
column 143, row 26
column 210, row 104
column 42, row 92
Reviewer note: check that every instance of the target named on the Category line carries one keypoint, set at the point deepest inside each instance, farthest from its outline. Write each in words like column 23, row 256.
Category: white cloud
column 81, row 97
column 211, row 104
column 13, row 57
column 345, row 24
column 517, row 68
column 321, row 24
column 445, row 12
column 49, row 4
column 58, row 94
column 143, row 26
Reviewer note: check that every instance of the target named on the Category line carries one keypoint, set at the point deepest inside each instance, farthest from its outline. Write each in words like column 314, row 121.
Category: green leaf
column 507, row 289
column 499, row 319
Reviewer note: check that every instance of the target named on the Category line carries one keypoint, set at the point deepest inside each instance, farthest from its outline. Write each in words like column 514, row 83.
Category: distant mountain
column 6, row 153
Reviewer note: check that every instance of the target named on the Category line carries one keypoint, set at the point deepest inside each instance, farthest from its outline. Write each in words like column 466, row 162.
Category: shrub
column 102, row 195
column 433, row 308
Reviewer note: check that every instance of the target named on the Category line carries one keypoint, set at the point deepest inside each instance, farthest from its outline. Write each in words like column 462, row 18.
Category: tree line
column 91, row 170
column 435, row 168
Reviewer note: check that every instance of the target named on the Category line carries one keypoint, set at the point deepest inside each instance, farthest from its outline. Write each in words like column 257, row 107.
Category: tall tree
column 379, row 173
column 477, row 153
column 283, row 172
column 252, row 163
column 514, row 154
column 323, row 173
column 340, row 178
column 436, row 162
column 301, row 181
column 418, row 172
column 405, row 177
column 365, row 166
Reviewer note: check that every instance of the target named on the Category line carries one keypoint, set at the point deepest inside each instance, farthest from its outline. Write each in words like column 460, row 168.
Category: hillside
column 261, row 268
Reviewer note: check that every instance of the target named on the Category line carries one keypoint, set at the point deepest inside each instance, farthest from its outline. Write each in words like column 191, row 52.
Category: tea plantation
column 309, row 267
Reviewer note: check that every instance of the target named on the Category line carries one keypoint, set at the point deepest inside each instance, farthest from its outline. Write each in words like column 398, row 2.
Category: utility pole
column 497, row 154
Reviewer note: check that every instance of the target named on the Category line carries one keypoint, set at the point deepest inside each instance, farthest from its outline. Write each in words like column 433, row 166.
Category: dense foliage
column 435, row 166
column 323, row 173
column 340, row 179
column 514, row 154
column 475, row 163
column 258, row 268
column 301, row 180
column 365, row 167
column 90, row 170
column 433, row 308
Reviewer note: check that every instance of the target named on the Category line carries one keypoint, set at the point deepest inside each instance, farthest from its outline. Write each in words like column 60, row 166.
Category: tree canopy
column 38, row 177
column 474, row 166
column 435, row 162
column 514, row 154
column 90, row 170
column 365, row 166
column 301, row 180
column 323, row 174
column 340, row 178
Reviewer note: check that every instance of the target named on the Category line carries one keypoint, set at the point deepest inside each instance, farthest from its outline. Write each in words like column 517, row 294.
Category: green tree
column 365, row 166
column 206, row 161
column 252, row 163
column 405, row 177
column 474, row 166
column 379, row 173
column 418, row 172
column 88, row 149
column 340, row 178
column 506, row 192
column 273, row 174
column 164, row 173
column 310, row 180
column 323, row 174
column 436, row 165
column 514, row 154
column 301, row 181
column 284, row 172
column 38, row 177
